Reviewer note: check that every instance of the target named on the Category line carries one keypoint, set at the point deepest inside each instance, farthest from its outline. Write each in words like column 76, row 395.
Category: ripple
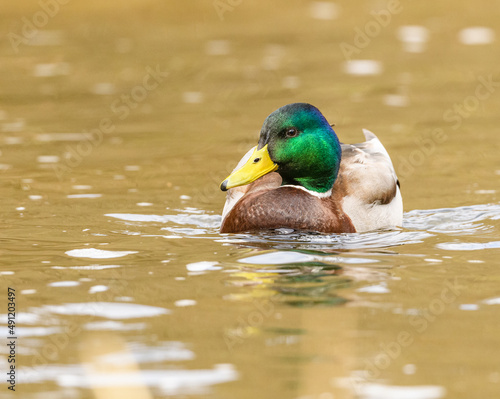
column 492, row 301
column 396, row 100
column 476, row 35
column 110, row 310
column 97, row 253
column 98, row 288
column 324, row 10
column 185, row 302
column 37, row 331
column 50, row 70
column 114, row 326
column 45, row 137
column 192, row 97
column 185, row 231
column 47, row 159
column 468, row 246
column 63, row 284
column 190, row 217
column 22, row 318
column 418, row 225
column 144, row 204
column 277, row 258
column 375, row 289
column 218, row 47
column 103, row 89
column 468, row 306
column 141, row 353
column 168, row 382
column 380, row 391
column 461, row 220
column 81, row 187
column 376, row 239
column 84, row 196
column 363, row 67
column 202, row 266
column 47, row 38
column 414, row 38
column 90, row 267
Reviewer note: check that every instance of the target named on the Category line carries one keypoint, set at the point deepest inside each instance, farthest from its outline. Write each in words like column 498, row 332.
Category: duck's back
column 371, row 194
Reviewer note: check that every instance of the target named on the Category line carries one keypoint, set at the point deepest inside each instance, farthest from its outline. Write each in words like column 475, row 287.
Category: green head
column 303, row 145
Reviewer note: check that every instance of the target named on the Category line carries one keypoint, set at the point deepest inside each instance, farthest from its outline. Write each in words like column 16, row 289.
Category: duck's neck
column 317, row 184
column 315, row 170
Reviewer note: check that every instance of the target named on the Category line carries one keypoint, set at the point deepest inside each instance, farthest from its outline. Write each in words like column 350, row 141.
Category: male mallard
column 303, row 178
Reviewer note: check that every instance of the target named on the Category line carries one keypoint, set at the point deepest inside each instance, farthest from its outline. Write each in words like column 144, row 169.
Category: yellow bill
column 257, row 166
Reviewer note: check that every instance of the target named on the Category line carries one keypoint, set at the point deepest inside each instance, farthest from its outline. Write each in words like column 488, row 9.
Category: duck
column 300, row 177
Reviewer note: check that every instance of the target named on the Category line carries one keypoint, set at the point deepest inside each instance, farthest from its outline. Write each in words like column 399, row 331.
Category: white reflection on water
column 461, row 220
column 278, row 258
column 22, row 318
column 111, row 325
column 380, row 391
column 141, row 353
column 202, row 266
column 468, row 306
column 218, row 47
column 97, row 253
column 84, row 196
column 37, row 331
column 46, row 137
column 47, row 159
column 363, row 67
column 287, row 257
column 89, row 267
column 98, row 288
column 110, row 310
column 167, row 382
column 64, row 284
column 375, row 289
column 492, row 301
column 50, row 70
column 324, row 10
column 468, row 246
column 185, row 302
column 44, row 37
column 190, row 218
column 476, row 35
column 414, row 37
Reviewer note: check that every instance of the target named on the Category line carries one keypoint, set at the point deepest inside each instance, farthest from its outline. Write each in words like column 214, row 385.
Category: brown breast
column 286, row 207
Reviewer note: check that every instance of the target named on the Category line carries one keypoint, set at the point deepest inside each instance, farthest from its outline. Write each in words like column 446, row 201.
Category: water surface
column 118, row 123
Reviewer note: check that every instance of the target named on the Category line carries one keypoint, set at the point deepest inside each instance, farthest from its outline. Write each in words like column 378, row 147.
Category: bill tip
column 223, row 185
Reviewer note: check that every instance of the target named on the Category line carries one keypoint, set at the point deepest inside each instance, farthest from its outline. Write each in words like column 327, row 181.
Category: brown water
column 123, row 286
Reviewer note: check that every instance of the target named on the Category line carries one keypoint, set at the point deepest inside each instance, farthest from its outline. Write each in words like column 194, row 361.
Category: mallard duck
column 301, row 177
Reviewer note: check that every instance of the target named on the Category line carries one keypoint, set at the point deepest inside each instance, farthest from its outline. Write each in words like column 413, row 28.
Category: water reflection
column 266, row 276
column 110, row 368
column 299, row 283
column 302, row 269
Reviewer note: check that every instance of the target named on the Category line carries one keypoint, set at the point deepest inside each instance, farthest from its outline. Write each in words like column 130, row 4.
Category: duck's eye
column 256, row 160
column 292, row 132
